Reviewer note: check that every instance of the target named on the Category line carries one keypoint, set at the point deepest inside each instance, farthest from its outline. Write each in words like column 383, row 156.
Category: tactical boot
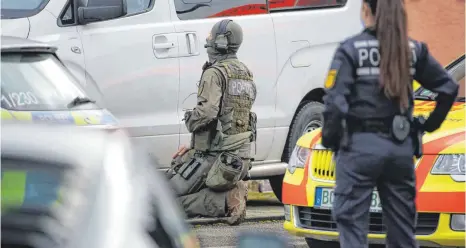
column 236, row 201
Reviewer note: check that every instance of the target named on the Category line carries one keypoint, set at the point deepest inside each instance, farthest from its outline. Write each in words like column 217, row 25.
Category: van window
column 279, row 5
column 198, row 9
column 34, row 82
column 137, row 6
column 67, row 17
column 20, row 9
column 320, row 3
column 133, row 7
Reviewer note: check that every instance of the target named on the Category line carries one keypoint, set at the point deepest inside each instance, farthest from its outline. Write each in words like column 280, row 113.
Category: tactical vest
column 236, row 125
column 239, row 94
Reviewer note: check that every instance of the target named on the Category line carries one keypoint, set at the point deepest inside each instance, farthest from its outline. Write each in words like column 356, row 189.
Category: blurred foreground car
column 36, row 87
column 440, row 181
column 65, row 186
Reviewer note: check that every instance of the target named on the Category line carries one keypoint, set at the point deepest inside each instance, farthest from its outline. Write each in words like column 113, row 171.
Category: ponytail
column 392, row 34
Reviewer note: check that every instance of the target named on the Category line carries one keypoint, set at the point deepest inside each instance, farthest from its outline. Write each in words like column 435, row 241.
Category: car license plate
column 324, row 198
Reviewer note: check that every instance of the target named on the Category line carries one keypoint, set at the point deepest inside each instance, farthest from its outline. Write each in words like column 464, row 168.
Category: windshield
column 37, row 81
column 21, row 8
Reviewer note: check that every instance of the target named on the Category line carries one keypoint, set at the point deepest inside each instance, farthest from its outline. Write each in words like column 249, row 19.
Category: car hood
column 16, row 27
column 448, row 139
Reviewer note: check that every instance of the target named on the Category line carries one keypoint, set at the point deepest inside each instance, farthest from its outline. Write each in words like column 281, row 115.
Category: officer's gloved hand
column 419, row 123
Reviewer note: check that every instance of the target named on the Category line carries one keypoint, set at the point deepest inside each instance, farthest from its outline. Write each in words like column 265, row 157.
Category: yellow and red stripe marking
column 448, row 200
column 440, row 201
column 297, row 193
column 421, row 106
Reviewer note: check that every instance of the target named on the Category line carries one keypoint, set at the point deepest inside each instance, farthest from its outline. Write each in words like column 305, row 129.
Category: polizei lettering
column 241, row 87
column 369, row 57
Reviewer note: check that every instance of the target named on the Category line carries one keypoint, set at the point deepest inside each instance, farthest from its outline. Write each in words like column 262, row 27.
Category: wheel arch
column 315, row 95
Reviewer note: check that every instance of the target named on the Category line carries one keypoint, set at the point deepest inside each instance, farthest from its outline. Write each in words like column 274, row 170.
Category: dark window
column 12, row 9
column 198, row 9
column 293, row 5
column 138, row 6
column 37, row 82
column 134, row 7
column 68, row 17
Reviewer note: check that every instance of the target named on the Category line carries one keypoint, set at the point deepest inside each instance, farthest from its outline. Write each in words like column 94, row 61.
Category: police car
column 440, row 181
column 36, row 87
column 65, row 186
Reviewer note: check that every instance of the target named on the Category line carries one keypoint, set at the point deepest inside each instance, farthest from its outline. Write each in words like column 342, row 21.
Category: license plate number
column 325, row 196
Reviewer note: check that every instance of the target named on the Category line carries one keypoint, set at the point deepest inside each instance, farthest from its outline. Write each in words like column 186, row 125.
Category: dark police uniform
column 372, row 157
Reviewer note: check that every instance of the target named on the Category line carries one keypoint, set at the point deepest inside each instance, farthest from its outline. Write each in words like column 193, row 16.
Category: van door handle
column 192, row 44
column 166, row 45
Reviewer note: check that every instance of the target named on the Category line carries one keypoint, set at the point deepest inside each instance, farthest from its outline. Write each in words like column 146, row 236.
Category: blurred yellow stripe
column 22, row 115
column 6, row 115
column 13, row 188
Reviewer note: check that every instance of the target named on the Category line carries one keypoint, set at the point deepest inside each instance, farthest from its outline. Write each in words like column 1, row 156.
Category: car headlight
column 449, row 164
column 298, row 158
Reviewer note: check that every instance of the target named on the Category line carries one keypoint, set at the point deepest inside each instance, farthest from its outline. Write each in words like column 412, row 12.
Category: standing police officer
column 209, row 177
column 368, row 122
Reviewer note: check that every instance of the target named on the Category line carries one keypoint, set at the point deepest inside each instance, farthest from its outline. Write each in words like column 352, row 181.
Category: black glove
column 419, row 123
column 417, row 133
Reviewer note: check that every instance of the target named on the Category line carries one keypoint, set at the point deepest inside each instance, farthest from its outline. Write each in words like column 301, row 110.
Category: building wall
column 439, row 23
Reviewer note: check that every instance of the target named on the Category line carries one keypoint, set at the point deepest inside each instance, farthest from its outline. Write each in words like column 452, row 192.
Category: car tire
column 315, row 243
column 308, row 118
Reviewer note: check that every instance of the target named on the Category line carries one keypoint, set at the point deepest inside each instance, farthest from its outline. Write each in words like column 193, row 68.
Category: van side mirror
column 101, row 10
column 261, row 239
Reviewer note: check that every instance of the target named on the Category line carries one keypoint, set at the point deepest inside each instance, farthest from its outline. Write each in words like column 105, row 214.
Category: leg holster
column 191, row 175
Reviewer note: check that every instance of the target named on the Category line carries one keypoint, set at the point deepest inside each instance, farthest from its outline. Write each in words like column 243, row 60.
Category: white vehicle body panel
column 147, row 85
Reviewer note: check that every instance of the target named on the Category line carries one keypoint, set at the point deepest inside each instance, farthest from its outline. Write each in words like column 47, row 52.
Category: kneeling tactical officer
column 208, row 176
column 369, row 96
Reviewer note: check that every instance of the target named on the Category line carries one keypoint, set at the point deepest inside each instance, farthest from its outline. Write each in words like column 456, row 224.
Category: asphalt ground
column 224, row 236
column 264, row 214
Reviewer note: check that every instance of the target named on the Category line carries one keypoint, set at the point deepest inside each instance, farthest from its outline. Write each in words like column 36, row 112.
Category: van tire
column 315, row 243
column 309, row 115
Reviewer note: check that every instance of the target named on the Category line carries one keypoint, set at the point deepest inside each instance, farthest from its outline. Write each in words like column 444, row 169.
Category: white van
column 146, row 57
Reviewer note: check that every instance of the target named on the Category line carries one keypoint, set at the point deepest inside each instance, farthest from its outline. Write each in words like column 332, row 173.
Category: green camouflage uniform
column 232, row 79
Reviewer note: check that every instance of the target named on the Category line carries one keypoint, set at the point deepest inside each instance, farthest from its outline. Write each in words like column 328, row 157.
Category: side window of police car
column 133, row 7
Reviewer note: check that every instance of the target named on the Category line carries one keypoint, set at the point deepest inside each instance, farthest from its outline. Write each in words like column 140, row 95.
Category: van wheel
column 308, row 118
column 315, row 243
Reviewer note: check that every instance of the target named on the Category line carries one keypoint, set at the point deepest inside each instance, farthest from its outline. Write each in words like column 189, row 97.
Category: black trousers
column 374, row 160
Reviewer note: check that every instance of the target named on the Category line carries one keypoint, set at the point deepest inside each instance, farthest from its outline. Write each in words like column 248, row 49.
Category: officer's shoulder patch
column 332, row 74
